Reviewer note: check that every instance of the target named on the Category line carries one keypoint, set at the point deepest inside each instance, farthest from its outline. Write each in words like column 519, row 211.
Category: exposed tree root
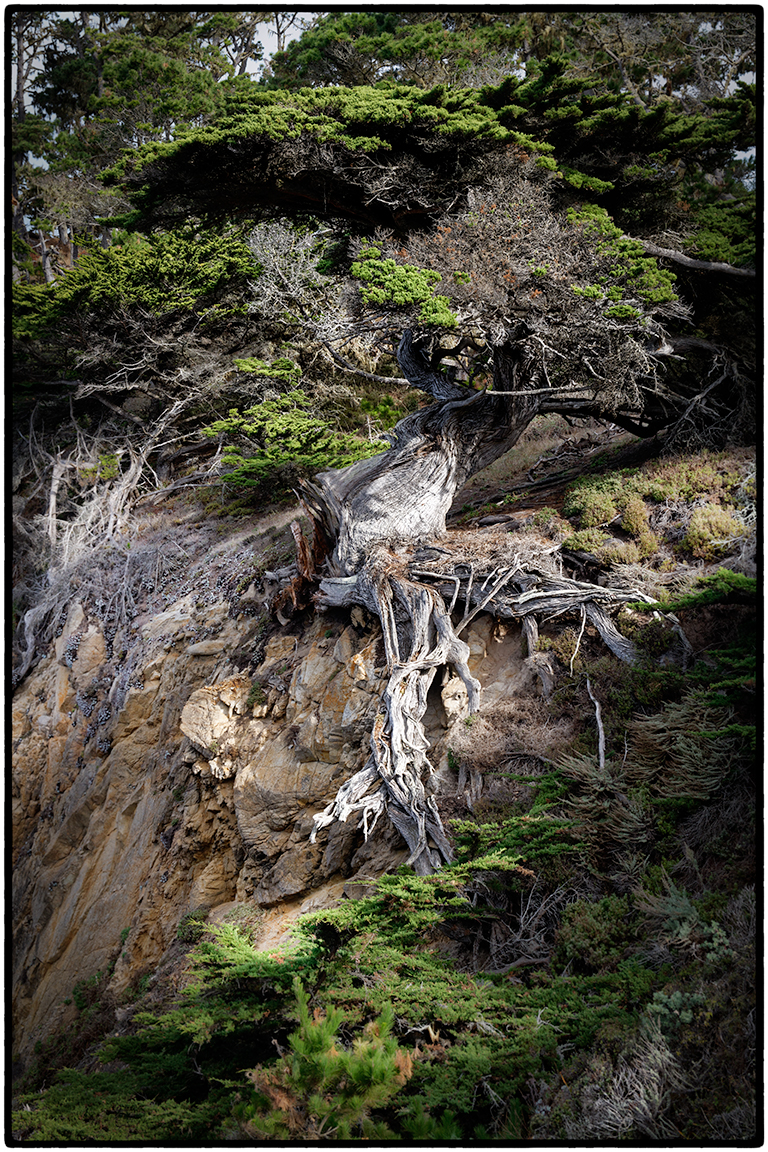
column 419, row 638
column 414, row 603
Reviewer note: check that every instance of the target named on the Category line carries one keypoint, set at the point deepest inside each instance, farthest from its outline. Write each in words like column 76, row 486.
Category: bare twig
column 578, row 638
column 600, row 729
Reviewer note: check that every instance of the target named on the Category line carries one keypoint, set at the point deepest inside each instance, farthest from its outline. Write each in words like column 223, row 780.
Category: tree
column 489, row 258
column 419, row 48
column 480, row 235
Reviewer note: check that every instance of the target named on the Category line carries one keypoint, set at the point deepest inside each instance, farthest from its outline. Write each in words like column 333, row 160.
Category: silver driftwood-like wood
column 383, row 524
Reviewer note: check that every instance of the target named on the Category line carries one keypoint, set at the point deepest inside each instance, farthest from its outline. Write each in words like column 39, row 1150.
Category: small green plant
column 282, row 370
column 619, row 552
column 671, row 1009
column 256, row 695
column 84, row 991
column 192, row 926
column 124, row 936
column 712, row 531
column 588, row 540
column 323, row 1089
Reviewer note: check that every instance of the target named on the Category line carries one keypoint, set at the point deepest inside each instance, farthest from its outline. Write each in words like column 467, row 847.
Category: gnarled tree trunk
column 406, row 492
column 376, row 520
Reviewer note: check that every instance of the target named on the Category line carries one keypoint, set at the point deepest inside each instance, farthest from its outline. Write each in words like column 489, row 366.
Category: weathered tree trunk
column 373, row 520
column 406, row 492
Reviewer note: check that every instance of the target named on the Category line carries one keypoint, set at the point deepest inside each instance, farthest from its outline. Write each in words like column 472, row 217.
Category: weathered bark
column 418, row 640
column 382, row 513
column 406, row 492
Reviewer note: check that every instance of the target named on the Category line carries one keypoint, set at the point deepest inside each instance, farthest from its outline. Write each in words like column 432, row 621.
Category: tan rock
column 74, row 622
column 207, row 648
column 171, row 622
column 280, row 649
column 205, row 720
column 91, row 654
column 135, row 837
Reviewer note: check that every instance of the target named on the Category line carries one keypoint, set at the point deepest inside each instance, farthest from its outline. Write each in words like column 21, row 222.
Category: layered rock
column 180, row 781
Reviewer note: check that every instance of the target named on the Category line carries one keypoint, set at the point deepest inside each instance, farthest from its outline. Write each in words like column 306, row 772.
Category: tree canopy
column 542, row 209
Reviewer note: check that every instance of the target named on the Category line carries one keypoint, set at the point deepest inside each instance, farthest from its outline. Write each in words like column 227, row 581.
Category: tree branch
column 345, row 364
column 689, row 262
column 420, row 373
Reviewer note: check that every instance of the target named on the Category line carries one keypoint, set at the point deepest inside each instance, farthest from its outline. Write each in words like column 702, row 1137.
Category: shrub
column 671, row 1009
column 192, row 926
column 323, row 1089
column 593, row 936
column 588, row 540
column 712, row 531
column 635, row 521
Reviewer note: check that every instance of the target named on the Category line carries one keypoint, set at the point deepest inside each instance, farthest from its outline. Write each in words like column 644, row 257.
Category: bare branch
column 690, row 262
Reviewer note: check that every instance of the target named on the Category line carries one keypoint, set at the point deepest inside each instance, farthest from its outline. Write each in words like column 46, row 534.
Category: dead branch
column 690, row 262
column 600, row 729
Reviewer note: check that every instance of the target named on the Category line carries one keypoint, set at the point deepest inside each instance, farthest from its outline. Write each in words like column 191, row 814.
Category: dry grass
column 520, row 727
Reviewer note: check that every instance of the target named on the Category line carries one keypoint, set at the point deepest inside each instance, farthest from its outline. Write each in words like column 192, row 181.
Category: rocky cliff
column 178, row 764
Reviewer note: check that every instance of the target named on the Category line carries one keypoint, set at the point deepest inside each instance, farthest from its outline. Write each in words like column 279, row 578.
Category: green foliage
column 192, row 926
column 323, row 1089
column 383, row 411
column 687, row 477
column 588, row 540
column 534, row 837
column 721, row 587
column 400, row 285
column 293, row 439
column 594, row 937
column 171, row 271
column 672, row 1009
column 596, row 499
column 106, row 1107
column 256, row 695
column 282, row 369
column 367, row 120
column 85, row 991
column 726, row 230
column 639, row 273
column 712, row 531
column 599, row 500
column 418, row 47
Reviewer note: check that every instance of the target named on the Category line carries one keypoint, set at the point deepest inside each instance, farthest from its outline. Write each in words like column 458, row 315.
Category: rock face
column 183, row 782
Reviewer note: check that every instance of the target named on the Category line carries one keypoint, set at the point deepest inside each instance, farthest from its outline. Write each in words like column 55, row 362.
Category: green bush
column 712, row 531
column 192, row 926
column 594, row 936
column 322, row 1088
column 294, row 440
